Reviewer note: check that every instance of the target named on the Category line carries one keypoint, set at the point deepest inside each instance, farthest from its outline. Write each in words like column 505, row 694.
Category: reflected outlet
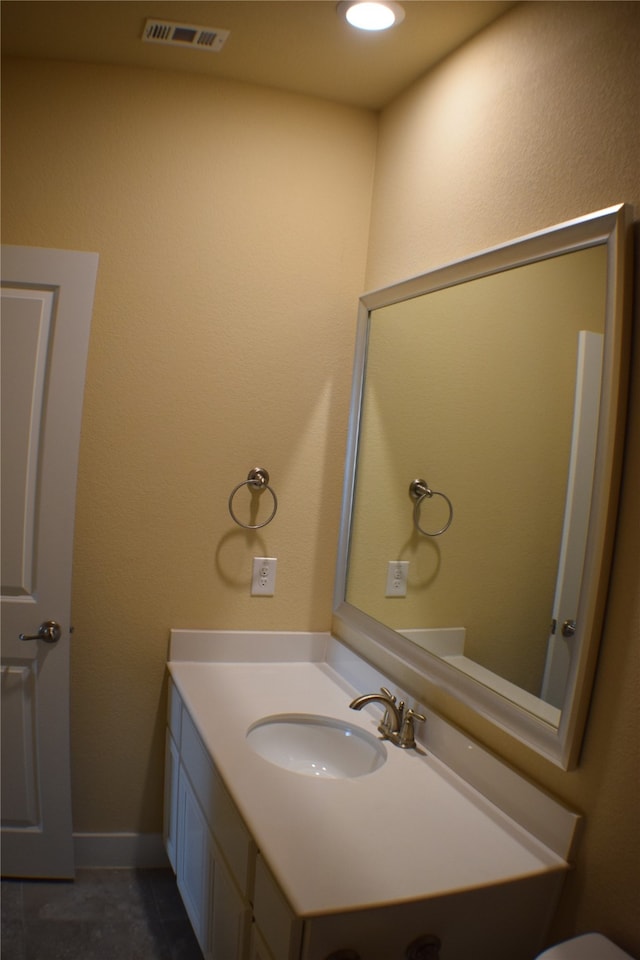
column 397, row 576
column 263, row 579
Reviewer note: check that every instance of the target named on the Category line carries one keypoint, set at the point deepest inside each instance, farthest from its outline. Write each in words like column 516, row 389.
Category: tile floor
column 101, row 915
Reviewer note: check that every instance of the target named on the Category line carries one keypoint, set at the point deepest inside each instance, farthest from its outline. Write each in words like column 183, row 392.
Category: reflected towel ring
column 258, row 479
column 419, row 490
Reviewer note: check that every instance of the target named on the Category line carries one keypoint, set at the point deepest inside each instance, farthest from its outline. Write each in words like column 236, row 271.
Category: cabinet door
column 171, row 771
column 225, row 823
column 258, row 949
column 193, row 859
column 279, row 926
column 230, row 916
column 219, row 915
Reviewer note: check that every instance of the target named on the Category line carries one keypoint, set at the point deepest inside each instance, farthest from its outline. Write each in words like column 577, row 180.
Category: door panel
column 47, row 298
column 26, row 332
column 577, row 512
column 20, row 805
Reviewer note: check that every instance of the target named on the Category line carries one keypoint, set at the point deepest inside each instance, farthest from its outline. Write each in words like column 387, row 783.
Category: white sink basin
column 316, row 746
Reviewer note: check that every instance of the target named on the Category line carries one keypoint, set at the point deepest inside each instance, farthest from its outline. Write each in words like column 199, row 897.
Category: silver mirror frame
column 408, row 663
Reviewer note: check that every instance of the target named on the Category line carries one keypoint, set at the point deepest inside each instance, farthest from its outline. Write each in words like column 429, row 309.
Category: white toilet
column 589, row 946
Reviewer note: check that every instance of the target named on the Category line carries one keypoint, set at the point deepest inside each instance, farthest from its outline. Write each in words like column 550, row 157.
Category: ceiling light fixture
column 375, row 15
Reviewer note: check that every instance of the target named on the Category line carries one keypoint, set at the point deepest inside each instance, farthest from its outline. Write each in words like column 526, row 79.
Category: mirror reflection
column 482, row 477
column 488, row 390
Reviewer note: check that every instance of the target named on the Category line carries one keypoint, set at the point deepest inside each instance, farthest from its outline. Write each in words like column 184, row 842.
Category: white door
column 582, row 461
column 47, row 299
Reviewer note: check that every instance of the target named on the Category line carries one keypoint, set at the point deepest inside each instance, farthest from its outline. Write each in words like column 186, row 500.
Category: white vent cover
column 184, row 35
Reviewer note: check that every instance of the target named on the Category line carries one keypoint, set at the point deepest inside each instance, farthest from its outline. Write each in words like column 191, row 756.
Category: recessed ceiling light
column 374, row 15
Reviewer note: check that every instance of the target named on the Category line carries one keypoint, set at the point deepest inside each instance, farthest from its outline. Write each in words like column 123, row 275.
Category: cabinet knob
column 426, row 947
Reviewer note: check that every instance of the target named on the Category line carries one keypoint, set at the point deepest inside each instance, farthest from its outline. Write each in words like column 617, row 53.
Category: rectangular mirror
column 482, row 476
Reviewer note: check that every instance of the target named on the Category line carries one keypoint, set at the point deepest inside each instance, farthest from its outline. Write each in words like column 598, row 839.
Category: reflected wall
column 472, row 387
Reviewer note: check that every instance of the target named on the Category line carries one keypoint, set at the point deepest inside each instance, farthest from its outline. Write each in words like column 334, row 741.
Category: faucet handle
column 388, row 723
column 407, row 734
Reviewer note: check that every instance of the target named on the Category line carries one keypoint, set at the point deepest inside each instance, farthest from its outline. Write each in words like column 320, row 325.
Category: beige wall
column 232, row 225
column 532, row 123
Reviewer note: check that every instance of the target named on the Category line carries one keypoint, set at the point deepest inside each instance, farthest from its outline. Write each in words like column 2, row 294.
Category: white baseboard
column 119, row 850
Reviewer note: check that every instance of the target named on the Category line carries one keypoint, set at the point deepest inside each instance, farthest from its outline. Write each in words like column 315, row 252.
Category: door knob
column 49, row 631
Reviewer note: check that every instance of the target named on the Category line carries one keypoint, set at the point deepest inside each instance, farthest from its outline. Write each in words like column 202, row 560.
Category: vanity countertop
column 411, row 830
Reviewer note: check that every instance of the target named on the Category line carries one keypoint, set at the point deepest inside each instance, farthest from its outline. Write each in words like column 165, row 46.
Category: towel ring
column 258, row 479
column 419, row 491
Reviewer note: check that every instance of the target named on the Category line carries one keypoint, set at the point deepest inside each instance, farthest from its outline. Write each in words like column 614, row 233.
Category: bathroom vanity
column 442, row 852
column 276, row 864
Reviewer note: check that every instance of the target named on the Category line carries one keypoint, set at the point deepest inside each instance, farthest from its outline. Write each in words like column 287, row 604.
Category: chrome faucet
column 395, row 726
column 392, row 712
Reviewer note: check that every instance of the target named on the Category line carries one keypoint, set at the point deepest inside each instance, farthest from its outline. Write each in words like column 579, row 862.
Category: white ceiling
column 296, row 45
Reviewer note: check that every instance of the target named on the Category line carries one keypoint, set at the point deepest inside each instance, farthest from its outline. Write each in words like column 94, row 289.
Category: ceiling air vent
column 184, row 35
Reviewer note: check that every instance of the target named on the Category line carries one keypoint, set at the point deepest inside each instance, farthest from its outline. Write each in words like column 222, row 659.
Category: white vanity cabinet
column 208, row 846
column 287, row 867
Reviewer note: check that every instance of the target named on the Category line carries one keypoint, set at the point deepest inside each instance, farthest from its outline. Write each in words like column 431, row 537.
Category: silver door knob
column 568, row 628
column 49, row 631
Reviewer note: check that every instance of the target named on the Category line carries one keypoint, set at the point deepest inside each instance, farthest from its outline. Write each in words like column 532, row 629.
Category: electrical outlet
column 263, row 580
column 397, row 576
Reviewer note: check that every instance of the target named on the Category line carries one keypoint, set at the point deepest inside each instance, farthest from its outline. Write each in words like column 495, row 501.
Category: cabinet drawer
column 174, row 712
column 224, row 821
column 278, row 924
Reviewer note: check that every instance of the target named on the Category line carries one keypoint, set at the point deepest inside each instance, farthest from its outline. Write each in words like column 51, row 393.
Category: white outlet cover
column 263, row 577
column 397, row 576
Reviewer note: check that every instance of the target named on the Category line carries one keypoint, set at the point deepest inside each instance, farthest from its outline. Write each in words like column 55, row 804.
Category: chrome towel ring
column 419, row 490
column 258, row 480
